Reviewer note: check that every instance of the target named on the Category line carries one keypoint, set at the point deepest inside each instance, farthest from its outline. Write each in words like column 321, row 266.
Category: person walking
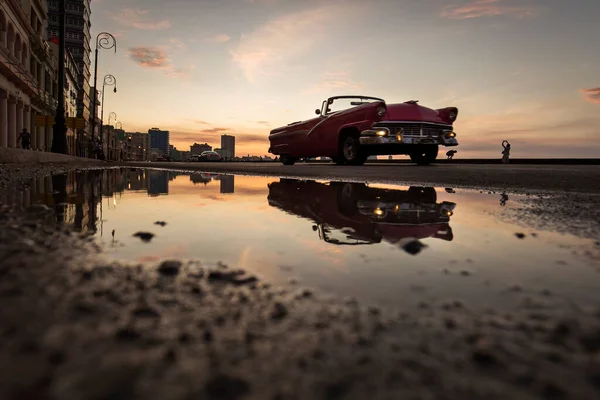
column 25, row 139
column 505, row 152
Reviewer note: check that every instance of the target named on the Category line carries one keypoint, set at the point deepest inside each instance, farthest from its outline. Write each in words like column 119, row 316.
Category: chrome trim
column 411, row 122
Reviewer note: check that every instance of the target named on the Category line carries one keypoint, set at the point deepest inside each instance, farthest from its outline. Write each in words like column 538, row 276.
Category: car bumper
column 370, row 137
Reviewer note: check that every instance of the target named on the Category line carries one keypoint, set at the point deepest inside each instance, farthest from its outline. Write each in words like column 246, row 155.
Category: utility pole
column 59, row 140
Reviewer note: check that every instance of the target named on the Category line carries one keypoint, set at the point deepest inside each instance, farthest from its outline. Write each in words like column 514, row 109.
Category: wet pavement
column 387, row 245
column 292, row 289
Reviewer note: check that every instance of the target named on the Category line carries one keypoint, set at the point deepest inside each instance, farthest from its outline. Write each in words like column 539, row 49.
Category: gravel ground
column 75, row 326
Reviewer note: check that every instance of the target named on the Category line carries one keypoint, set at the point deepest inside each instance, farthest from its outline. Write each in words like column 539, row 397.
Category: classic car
column 349, row 129
column 363, row 214
column 210, row 156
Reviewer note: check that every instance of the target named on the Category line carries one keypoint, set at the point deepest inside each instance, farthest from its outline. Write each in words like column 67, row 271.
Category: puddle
column 383, row 244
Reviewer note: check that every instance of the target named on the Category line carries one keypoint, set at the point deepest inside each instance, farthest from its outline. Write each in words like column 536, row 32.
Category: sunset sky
column 523, row 70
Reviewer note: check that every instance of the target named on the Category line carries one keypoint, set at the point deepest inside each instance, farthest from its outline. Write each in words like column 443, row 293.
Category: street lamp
column 119, row 125
column 59, row 138
column 106, row 41
column 109, row 80
column 112, row 115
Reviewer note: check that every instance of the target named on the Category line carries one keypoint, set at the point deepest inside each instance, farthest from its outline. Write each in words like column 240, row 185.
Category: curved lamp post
column 112, row 115
column 119, row 125
column 109, row 80
column 106, row 41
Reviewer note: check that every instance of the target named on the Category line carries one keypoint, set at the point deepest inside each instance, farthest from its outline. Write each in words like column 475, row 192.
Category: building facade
column 228, row 145
column 136, row 146
column 28, row 88
column 199, row 148
column 160, row 140
column 77, row 41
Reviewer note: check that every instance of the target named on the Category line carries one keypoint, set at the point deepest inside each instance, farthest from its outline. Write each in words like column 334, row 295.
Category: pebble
column 169, row 267
column 279, row 311
column 145, row 236
column 520, row 235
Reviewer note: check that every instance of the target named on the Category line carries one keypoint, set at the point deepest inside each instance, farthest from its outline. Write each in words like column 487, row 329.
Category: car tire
column 350, row 151
column 422, row 195
column 287, row 160
column 425, row 155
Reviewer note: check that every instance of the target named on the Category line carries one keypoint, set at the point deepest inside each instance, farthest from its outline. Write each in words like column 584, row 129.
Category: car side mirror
column 318, row 112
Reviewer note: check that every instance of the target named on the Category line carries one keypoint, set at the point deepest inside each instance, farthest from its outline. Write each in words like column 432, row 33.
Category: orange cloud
column 138, row 19
column 486, row 8
column 222, row 38
column 591, row 95
column 150, row 57
column 157, row 58
column 336, row 81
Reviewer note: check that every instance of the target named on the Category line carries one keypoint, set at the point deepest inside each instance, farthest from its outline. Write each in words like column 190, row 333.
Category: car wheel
column 422, row 195
column 425, row 155
column 350, row 151
column 287, row 160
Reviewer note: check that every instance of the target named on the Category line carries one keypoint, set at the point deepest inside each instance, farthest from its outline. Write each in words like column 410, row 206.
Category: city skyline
column 517, row 70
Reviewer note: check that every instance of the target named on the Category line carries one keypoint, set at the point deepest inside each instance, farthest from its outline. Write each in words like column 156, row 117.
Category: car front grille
column 415, row 130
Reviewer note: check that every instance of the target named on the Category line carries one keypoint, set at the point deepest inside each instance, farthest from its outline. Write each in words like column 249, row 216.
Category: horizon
column 517, row 70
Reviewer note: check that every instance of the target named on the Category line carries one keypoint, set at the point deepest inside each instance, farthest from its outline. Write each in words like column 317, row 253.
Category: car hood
column 300, row 125
column 413, row 112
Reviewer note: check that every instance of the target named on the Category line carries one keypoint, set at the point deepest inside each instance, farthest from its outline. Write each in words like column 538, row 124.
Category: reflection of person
column 505, row 152
column 25, row 138
column 451, row 154
column 503, row 199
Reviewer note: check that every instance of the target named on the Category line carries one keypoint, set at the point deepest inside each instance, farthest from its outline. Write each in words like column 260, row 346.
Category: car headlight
column 450, row 135
column 381, row 133
column 381, row 111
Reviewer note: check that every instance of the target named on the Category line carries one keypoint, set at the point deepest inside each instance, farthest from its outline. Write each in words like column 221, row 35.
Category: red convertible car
column 349, row 129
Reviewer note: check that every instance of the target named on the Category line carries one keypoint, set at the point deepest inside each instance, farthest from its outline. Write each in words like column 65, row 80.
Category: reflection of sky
column 242, row 230
column 522, row 70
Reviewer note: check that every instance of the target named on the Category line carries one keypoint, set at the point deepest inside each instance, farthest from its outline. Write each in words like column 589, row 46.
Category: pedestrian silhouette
column 25, row 139
column 505, row 152
column 451, row 154
column 503, row 199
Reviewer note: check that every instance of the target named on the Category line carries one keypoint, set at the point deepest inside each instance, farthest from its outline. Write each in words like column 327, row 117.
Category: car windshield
column 340, row 104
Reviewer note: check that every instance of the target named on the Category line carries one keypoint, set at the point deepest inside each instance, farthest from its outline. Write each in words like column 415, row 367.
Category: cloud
column 139, row 19
column 177, row 44
column 336, row 81
column 221, row 38
column 264, row 123
column 158, row 59
column 215, row 130
column 150, row 57
column 487, row 8
column 591, row 95
column 283, row 42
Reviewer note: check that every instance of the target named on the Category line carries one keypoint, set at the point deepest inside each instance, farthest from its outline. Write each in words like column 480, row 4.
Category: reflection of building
column 228, row 145
column 160, row 140
column 227, row 184
column 199, row 148
column 158, row 183
column 136, row 180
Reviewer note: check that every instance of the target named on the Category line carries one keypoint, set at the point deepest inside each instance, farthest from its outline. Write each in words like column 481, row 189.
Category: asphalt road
column 575, row 178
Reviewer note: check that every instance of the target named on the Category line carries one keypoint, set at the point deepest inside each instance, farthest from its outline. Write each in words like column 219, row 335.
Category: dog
column 451, row 154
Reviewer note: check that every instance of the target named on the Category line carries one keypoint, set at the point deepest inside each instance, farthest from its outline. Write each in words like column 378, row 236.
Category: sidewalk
column 20, row 156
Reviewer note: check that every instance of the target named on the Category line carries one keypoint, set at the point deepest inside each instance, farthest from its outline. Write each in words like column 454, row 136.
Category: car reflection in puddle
column 351, row 214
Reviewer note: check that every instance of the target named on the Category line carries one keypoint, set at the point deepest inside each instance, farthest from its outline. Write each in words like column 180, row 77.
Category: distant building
column 160, row 140
column 199, row 148
column 135, row 146
column 224, row 153
column 228, row 144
